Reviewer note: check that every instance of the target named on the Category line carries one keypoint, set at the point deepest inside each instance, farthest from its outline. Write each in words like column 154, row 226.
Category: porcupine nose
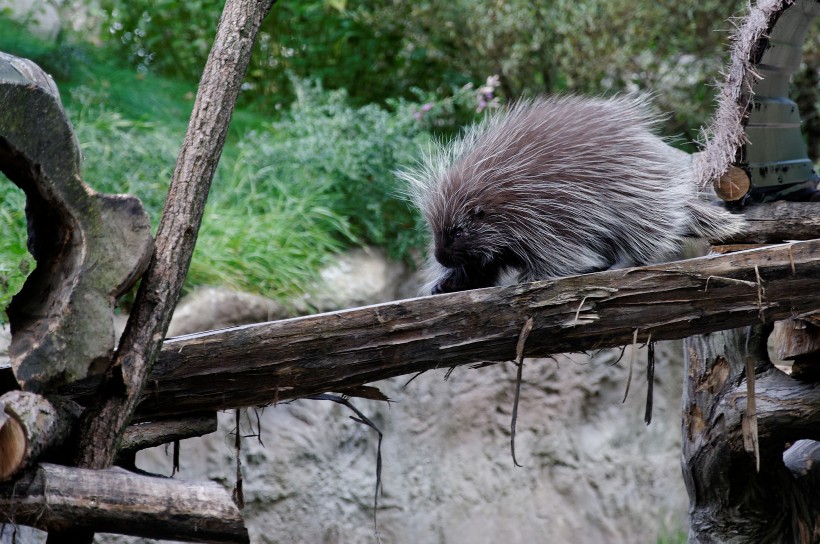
column 443, row 256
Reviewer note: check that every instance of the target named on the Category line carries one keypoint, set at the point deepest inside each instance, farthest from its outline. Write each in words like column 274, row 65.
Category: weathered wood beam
column 777, row 222
column 796, row 338
column 155, row 433
column 53, row 497
column 263, row 363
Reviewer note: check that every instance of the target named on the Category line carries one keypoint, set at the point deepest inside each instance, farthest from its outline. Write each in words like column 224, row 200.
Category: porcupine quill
column 557, row 186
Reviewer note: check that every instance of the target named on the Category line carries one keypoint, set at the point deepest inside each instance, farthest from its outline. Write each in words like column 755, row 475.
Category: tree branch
column 269, row 362
column 104, row 422
column 156, row 433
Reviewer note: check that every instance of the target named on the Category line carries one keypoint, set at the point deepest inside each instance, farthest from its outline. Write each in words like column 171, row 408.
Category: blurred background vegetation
column 339, row 94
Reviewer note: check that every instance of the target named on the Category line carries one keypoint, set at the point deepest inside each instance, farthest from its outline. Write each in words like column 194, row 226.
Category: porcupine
column 557, row 186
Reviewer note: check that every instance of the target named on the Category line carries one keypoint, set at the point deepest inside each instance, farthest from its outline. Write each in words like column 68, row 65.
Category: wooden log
column 719, row 469
column 54, row 497
column 89, row 247
column 733, row 185
column 29, row 426
column 104, row 422
column 155, row 433
column 803, row 460
column 778, row 222
column 263, row 363
column 804, row 339
column 731, row 248
column 795, row 338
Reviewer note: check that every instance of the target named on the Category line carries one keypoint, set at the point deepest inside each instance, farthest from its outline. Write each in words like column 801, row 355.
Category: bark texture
column 730, row 500
column 156, row 433
column 29, row 426
column 777, row 222
column 270, row 362
column 89, row 247
column 54, row 497
column 104, row 422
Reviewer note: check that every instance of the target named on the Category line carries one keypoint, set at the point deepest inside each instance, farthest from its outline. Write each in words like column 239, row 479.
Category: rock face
column 592, row 470
column 357, row 278
column 211, row 308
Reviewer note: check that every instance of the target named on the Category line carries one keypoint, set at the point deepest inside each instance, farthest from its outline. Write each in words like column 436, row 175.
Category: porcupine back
column 568, row 185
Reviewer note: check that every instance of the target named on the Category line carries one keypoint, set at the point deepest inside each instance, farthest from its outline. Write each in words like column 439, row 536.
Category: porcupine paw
column 452, row 281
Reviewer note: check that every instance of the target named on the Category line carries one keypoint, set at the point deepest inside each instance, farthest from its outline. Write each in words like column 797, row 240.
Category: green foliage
column 351, row 153
column 344, row 46
column 672, row 536
column 173, row 35
column 122, row 155
column 672, row 49
column 15, row 261
column 288, row 193
column 382, row 50
column 275, row 246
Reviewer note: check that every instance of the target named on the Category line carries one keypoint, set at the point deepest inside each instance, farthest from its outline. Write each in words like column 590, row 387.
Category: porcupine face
column 457, row 244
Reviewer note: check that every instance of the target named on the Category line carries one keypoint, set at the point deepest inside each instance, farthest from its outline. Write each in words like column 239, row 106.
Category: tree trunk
column 724, row 439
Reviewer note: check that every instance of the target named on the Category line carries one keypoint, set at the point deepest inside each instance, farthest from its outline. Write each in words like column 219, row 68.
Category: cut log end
column 13, row 446
column 733, row 185
column 29, row 426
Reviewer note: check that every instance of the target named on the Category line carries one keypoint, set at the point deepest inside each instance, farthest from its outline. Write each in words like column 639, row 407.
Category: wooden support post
column 730, row 500
column 104, row 422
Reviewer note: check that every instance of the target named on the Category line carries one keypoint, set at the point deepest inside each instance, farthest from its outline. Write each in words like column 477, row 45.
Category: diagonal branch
column 104, row 422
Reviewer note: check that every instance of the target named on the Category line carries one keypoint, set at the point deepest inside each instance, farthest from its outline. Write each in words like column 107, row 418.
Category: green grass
column 672, row 536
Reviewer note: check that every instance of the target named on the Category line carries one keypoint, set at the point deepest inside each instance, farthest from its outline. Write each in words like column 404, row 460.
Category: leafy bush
column 383, row 50
column 121, row 155
column 347, row 47
column 259, row 233
column 351, row 154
